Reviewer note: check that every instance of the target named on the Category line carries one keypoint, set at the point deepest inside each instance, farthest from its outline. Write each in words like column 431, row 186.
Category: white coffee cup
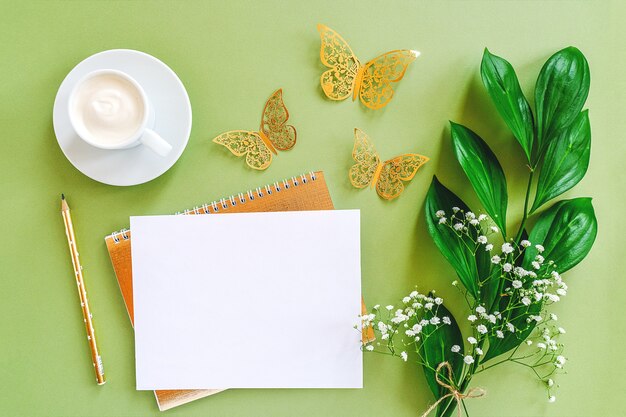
column 108, row 109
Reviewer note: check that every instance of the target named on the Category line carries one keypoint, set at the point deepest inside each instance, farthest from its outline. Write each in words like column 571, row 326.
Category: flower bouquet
column 509, row 280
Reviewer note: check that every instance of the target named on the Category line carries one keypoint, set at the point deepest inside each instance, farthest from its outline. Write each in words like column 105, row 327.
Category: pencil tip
column 62, row 196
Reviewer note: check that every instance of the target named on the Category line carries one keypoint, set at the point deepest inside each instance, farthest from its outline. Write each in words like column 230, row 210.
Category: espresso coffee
column 109, row 108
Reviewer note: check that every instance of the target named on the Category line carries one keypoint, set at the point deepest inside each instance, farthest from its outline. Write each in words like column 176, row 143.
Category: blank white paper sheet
column 251, row 300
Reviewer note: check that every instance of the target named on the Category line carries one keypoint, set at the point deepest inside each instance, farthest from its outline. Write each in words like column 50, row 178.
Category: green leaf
column 483, row 170
column 565, row 162
column 567, row 231
column 502, row 85
column 560, row 93
column 469, row 267
column 435, row 349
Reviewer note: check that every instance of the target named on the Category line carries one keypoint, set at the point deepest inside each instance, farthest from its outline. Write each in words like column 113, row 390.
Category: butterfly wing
column 338, row 82
column 275, row 116
column 379, row 75
column 396, row 170
column 250, row 144
column 366, row 159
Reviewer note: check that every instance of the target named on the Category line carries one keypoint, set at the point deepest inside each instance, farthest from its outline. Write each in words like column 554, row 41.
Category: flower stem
column 523, row 223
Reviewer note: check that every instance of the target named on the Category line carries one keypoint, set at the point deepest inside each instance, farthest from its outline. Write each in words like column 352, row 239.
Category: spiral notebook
column 303, row 192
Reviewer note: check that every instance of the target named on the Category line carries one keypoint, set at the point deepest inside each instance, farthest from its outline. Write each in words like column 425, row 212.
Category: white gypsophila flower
column 382, row 327
column 389, row 308
column 525, row 243
column 440, row 213
column 428, row 306
column 507, row 267
column 541, row 345
column 481, row 239
column 539, row 248
column 537, row 318
column 439, row 301
column 510, row 327
column 482, row 217
column 481, row 310
column 474, row 222
column 404, row 356
column 481, row 328
column 468, row 359
column 413, row 294
column 507, row 248
column 376, row 307
column 472, row 318
column 561, row 291
column 517, row 283
column 552, row 297
column 494, row 229
column 529, row 342
column 385, row 336
column 495, row 259
column 469, row 215
column 478, row 351
column 551, row 399
column 550, row 382
column 499, row 334
column 540, row 259
column 435, row 320
column 417, row 338
column 442, row 220
column 446, row 320
column 458, row 226
column 417, row 328
column 488, row 247
column 424, row 322
column 535, row 265
column 472, row 340
column 455, row 283
column 369, row 347
column 561, row 360
column 553, row 317
column 519, row 271
column 455, row 209
column 455, row 348
column 538, row 296
column 526, row 301
column 406, row 300
column 491, row 318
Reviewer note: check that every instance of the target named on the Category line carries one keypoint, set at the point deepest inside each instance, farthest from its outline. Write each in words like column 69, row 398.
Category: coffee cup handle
column 155, row 142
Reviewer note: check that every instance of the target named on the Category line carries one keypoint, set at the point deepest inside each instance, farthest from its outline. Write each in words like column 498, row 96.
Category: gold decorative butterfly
column 372, row 81
column 273, row 135
column 387, row 176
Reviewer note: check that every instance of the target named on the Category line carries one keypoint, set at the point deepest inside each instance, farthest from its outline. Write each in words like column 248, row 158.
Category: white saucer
column 172, row 120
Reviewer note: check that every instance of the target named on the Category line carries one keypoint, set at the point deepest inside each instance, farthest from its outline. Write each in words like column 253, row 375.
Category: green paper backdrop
column 231, row 55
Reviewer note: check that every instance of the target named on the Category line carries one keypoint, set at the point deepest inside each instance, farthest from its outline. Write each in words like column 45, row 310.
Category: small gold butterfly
column 372, row 81
column 387, row 176
column 274, row 134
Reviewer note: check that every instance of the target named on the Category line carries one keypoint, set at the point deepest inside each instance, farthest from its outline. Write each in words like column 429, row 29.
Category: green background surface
column 230, row 56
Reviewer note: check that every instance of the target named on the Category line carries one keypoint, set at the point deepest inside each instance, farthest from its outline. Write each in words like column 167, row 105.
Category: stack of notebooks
column 267, row 297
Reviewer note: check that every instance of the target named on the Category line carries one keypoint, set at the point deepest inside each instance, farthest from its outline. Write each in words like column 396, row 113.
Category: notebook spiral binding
column 233, row 200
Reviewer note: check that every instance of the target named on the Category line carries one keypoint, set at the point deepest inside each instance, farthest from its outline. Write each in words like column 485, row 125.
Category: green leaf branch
column 509, row 281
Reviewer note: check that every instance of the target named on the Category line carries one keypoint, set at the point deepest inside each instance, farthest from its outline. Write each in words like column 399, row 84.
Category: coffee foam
column 109, row 108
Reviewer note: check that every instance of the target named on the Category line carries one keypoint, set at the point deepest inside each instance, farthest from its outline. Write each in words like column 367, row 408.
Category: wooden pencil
column 96, row 359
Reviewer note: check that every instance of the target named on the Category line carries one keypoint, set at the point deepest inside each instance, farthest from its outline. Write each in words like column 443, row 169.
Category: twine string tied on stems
column 476, row 392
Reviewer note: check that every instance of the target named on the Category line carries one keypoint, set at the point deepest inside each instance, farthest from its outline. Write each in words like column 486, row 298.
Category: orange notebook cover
column 304, row 192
